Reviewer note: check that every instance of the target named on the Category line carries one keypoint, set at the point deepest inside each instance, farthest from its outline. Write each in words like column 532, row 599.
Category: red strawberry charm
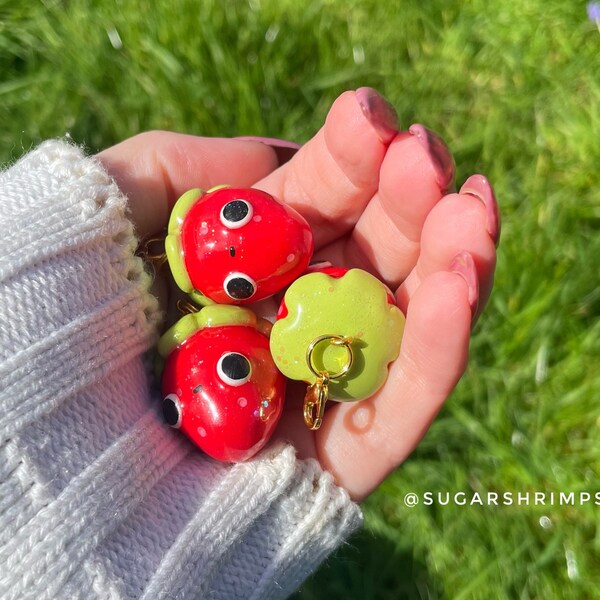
column 220, row 385
column 235, row 245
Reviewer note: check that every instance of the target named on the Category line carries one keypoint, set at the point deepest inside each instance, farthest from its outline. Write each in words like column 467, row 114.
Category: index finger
column 154, row 168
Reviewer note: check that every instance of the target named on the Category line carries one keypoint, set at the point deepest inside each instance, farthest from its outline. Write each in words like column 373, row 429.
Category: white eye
column 236, row 214
column 234, row 369
column 239, row 286
column 172, row 411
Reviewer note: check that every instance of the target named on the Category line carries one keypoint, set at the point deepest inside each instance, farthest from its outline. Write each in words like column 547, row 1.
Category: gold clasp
column 156, row 256
column 185, row 307
column 317, row 394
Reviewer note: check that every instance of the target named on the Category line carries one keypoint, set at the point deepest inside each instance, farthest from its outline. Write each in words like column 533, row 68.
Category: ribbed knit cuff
column 73, row 299
column 309, row 520
column 98, row 499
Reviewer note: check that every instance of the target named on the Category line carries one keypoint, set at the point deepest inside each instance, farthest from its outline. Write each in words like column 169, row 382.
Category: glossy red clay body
column 241, row 245
column 222, row 389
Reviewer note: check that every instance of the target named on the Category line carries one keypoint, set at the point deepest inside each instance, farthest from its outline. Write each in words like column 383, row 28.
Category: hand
column 375, row 198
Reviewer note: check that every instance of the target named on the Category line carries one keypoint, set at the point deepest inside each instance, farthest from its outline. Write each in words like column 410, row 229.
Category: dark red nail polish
column 439, row 153
column 464, row 265
column 380, row 113
column 283, row 148
column 480, row 187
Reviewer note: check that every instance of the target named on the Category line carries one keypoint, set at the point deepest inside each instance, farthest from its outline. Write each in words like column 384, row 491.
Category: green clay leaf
column 215, row 315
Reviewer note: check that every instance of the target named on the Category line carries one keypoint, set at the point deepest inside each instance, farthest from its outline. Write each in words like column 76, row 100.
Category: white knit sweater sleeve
column 98, row 498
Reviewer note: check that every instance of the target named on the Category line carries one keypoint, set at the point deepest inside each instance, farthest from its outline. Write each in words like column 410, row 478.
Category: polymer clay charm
column 220, row 385
column 338, row 330
column 235, row 245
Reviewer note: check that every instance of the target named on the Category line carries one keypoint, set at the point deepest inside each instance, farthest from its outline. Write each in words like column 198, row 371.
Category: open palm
column 376, row 198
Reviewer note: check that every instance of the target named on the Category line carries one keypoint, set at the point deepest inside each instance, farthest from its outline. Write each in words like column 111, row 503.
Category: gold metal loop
column 185, row 307
column 314, row 402
column 265, row 410
column 149, row 251
column 334, row 340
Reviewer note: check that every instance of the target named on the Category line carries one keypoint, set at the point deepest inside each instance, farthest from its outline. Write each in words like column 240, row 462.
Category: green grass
column 514, row 89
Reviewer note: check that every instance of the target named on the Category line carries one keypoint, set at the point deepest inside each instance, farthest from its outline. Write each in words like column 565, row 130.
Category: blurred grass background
column 514, row 89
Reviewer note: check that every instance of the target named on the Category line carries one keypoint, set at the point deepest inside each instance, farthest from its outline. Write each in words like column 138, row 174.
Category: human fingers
column 416, row 172
column 467, row 221
column 284, row 149
column 334, row 175
column 154, row 168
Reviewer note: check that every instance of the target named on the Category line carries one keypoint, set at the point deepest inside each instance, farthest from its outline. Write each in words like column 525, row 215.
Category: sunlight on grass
column 513, row 87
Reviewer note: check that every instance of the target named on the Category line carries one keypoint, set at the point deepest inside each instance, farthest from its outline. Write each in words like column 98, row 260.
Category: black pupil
column 235, row 366
column 235, row 211
column 170, row 411
column 240, row 288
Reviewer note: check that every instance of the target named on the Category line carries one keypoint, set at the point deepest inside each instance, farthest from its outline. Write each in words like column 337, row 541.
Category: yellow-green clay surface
column 215, row 315
column 353, row 306
column 173, row 239
column 173, row 246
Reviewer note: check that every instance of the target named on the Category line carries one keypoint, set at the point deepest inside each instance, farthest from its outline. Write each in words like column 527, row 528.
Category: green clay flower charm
column 338, row 330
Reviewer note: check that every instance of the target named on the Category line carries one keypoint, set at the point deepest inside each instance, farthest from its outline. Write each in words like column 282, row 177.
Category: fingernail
column 440, row 156
column 464, row 265
column 380, row 113
column 480, row 187
column 283, row 149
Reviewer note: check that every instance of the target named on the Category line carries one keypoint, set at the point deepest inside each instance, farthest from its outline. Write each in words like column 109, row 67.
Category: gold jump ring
column 334, row 340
